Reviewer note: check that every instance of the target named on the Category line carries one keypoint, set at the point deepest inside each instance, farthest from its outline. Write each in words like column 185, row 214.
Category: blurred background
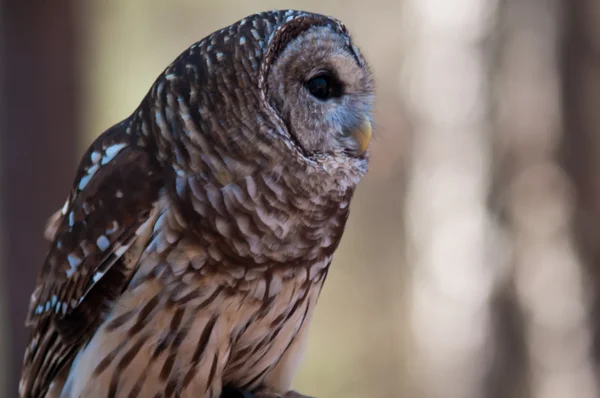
column 470, row 263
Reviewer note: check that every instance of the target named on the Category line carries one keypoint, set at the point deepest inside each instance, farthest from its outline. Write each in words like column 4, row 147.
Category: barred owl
column 192, row 248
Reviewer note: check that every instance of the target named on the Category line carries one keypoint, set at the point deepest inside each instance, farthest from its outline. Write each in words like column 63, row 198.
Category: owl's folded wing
column 112, row 201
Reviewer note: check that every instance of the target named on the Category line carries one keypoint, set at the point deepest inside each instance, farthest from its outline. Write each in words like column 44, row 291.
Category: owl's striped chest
column 191, row 330
column 274, row 318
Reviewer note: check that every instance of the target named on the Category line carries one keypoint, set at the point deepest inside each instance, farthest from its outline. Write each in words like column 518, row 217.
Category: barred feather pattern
column 194, row 244
column 199, row 315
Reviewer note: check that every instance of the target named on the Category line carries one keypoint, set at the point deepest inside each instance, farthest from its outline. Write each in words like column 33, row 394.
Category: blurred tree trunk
column 40, row 115
column 534, row 199
column 581, row 143
column 449, row 228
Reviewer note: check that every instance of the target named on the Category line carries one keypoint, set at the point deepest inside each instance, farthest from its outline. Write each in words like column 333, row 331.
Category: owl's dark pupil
column 320, row 87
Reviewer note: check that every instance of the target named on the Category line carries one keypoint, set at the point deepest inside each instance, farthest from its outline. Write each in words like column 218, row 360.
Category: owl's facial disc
column 323, row 92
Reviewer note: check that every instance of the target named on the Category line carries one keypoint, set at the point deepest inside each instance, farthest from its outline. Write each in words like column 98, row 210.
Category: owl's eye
column 323, row 87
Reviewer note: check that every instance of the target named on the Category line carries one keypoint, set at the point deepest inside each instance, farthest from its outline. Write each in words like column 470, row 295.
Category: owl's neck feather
column 265, row 218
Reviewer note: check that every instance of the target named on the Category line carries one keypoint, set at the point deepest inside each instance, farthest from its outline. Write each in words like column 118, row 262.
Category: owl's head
column 279, row 89
column 320, row 86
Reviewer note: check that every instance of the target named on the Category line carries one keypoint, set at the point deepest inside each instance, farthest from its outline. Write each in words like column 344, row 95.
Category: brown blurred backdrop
column 468, row 268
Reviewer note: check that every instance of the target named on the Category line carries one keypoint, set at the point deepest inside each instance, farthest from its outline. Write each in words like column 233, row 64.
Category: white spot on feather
column 242, row 40
column 113, row 228
column 97, row 276
column 111, row 152
column 65, row 207
column 119, row 193
column 87, row 208
column 103, row 243
column 180, row 186
column 86, row 247
column 95, row 157
column 255, row 34
column 73, row 260
column 92, row 170
column 86, row 178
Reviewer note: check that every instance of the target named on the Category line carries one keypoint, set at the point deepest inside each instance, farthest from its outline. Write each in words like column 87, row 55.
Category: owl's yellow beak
column 363, row 136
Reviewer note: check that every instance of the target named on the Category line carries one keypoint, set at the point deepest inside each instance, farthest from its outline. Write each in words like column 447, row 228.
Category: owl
column 190, row 253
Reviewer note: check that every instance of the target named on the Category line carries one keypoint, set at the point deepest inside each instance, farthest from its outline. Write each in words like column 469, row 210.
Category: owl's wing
column 53, row 224
column 108, row 213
